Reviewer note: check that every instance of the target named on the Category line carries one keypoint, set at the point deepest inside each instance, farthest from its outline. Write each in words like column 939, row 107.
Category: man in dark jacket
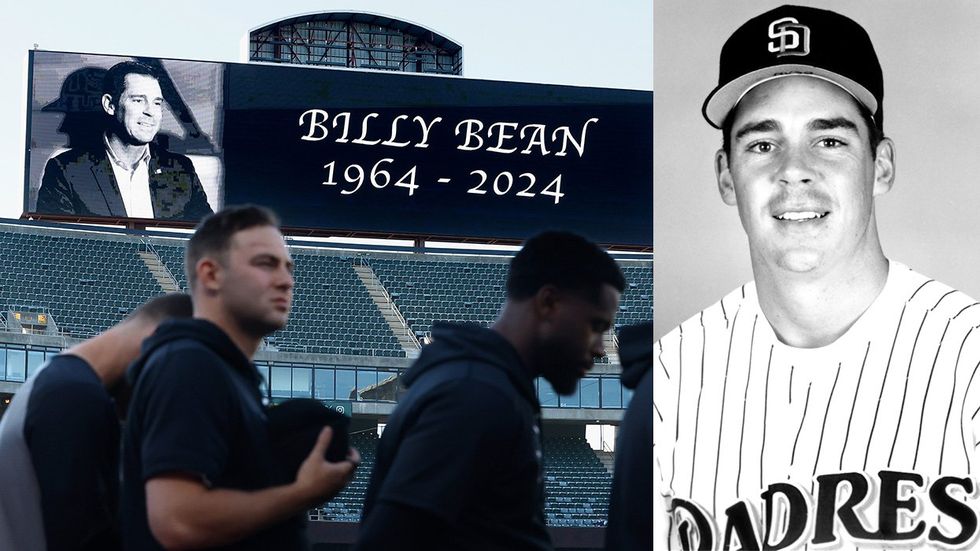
column 69, row 407
column 459, row 465
column 197, row 466
column 630, row 525
column 126, row 174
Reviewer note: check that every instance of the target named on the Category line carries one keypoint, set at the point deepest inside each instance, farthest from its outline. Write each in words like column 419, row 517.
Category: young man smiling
column 836, row 368
column 128, row 174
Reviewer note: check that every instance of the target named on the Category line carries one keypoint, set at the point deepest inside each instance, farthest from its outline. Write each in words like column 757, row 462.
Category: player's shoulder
column 170, row 159
column 468, row 385
column 76, row 155
column 926, row 294
column 67, row 383
column 181, row 365
column 67, row 371
column 722, row 313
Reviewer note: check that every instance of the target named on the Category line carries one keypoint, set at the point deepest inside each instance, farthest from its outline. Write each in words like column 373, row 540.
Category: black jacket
column 473, row 344
column 196, row 409
column 200, row 333
column 461, row 453
column 81, row 181
column 630, row 525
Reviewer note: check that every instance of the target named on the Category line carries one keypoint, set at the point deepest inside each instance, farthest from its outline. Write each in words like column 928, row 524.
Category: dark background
column 608, row 192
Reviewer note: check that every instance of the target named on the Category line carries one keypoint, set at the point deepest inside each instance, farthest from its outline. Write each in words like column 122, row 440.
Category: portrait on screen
column 124, row 137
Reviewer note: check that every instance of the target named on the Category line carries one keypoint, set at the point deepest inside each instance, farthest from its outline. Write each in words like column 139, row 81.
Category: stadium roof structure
column 356, row 40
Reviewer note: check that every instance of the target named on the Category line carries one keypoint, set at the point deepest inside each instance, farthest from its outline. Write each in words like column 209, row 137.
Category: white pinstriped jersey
column 737, row 411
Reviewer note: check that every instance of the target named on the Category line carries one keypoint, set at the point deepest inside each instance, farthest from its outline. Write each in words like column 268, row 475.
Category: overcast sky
column 573, row 42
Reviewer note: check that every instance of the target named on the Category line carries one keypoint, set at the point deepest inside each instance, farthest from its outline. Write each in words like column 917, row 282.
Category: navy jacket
column 630, row 525
column 196, row 409
column 463, row 446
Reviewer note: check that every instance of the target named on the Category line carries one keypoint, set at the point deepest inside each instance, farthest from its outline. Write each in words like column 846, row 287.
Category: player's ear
column 107, row 105
column 884, row 166
column 208, row 274
column 545, row 301
column 726, row 187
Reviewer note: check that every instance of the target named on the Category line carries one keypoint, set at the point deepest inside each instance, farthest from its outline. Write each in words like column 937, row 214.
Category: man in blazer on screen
column 126, row 175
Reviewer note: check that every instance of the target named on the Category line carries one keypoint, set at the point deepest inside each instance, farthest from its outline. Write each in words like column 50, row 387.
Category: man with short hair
column 839, row 382
column 59, row 440
column 129, row 175
column 459, row 464
column 198, row 470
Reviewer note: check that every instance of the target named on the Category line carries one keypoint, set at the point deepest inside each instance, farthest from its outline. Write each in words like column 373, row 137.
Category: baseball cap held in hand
column 797, row 40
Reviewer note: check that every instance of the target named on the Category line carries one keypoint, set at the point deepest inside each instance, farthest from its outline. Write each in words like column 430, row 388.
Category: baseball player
column 833, row 401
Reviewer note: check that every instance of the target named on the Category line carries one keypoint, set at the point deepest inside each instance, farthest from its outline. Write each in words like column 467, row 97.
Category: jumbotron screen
column 336, row 150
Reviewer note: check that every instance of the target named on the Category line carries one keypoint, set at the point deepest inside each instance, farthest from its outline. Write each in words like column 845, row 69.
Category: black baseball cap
column 294, row 427
column 797, row 40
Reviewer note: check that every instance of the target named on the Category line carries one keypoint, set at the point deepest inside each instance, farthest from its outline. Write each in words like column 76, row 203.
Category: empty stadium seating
column 636, row 305
column 427, row 291
column 88, row 281
column 432, row 290
column 85, row 283
column 348, row 504
column 332, row 311
column 172, row 257
column 576, row 484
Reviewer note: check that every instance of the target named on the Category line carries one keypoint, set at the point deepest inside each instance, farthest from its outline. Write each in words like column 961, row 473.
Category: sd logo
column 789, row 37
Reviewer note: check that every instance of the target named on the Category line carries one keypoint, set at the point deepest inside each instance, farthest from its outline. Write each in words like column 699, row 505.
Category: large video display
column 336, row 150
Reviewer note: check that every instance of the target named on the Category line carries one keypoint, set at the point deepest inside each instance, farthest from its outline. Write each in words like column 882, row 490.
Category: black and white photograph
column 120, row 137
column 817, row 347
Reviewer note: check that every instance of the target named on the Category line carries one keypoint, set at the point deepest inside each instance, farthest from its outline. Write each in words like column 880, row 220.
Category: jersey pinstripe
column 736, row 410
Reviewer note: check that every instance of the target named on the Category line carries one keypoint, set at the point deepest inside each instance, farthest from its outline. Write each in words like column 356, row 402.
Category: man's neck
column 512, row 325
column 807, row 311
column 243, row 340
column 108, row 354
column 124, row 153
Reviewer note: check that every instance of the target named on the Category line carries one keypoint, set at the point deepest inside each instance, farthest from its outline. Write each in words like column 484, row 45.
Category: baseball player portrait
column 832, row 401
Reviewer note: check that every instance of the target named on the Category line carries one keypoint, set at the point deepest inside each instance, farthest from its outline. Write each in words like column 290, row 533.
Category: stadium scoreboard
column 351, row 151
